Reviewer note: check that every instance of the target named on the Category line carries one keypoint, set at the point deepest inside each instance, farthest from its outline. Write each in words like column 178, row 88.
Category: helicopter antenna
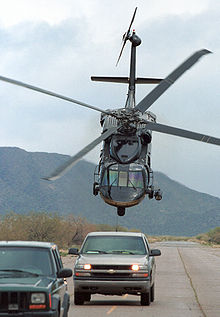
column 126, row 36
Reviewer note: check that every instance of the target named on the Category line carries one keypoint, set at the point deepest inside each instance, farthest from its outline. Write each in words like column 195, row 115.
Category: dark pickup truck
column 32, row 280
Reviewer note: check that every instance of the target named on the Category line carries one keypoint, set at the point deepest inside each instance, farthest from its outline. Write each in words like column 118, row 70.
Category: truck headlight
column 87, row 266
column 38, row 298
column 140, row 270
column 83, row 270
column 135, row 267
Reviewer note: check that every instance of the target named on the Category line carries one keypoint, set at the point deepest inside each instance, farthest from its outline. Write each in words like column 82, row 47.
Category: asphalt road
column 187, row 284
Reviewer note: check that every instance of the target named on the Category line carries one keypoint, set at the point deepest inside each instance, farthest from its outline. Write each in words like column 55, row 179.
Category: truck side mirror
column 154, row 252
column 64, row 272
column 73, row 251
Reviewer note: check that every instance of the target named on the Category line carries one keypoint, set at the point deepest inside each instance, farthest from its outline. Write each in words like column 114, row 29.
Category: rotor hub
column 135, row 40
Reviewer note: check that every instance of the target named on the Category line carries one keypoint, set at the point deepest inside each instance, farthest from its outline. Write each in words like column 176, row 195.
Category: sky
column 57, row 45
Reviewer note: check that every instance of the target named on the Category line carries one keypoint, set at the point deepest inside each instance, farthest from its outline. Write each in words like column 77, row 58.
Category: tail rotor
column 126, row 36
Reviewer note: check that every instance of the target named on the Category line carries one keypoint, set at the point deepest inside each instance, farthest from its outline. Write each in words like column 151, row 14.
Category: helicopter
column 123, row 176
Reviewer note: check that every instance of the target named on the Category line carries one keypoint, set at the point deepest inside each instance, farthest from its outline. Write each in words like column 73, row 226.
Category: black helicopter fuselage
column 124, row 176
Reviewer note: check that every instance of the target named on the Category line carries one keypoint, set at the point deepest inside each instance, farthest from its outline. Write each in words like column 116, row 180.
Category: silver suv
column 114, row 263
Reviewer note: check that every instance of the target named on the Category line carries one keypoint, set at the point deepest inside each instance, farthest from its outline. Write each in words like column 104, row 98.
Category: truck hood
column 108, row 259
column 26, row 283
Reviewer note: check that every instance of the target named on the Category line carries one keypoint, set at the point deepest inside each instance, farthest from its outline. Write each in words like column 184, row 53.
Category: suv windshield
column 25, row 260
column 114, row 245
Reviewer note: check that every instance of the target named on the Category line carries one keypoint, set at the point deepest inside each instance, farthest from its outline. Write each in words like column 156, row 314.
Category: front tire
column 87, row 297
column 66, row 305
column 152, row 293
column 145, row 299
column 78, row 298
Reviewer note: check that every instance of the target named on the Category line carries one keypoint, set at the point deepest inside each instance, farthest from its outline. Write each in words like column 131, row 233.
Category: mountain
column 182, row 211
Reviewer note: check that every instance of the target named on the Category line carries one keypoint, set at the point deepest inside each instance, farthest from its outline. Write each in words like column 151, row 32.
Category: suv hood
column 108, row 259
column 24, row 283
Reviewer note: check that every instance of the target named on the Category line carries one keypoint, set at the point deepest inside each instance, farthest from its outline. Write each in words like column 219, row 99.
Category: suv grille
column 110, row 267
column 111, row 275
column 103, row 271
column 13, row 301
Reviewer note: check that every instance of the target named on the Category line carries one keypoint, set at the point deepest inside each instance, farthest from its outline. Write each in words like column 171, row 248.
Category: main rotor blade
column 182, row 133
column 50, row 93
column 74, row 159
column 147, row 101
column 126, row 35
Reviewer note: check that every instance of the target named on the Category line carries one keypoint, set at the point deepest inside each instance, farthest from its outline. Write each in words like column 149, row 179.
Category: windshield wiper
column 96, row 251
column 122, row 252
column 18, row 271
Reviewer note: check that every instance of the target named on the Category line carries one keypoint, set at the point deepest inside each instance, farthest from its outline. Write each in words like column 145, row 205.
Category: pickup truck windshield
column 24, row 260
column 114, row 245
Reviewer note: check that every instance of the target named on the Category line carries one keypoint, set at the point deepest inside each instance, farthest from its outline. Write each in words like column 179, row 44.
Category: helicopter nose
column 125, row 194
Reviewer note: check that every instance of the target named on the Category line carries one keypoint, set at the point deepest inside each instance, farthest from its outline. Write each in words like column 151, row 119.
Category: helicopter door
column 125, row 149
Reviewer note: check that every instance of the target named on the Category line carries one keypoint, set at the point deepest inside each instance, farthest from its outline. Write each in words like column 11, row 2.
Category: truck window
column 114, row 244
column 57, row 260
column 35, row 260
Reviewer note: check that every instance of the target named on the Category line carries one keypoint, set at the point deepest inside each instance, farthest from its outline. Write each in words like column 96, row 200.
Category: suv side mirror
column 154, row 252
column 64, row 273
column 73, row 251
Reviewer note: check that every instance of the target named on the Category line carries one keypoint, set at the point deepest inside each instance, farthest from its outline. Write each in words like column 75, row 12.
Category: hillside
column 181, row 212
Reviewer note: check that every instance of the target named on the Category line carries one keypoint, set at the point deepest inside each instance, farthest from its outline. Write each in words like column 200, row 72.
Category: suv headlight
column 138, row 267
column 86, row 266
column 139, row 270
column 38, row 298
column 135, row 267
column 83, row 269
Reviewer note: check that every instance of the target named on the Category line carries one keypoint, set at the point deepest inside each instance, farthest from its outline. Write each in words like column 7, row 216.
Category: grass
column 152, row 239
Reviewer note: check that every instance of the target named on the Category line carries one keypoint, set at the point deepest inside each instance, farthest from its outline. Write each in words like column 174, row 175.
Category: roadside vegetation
column 211, row 237
column 65, row 231
column 68, row 231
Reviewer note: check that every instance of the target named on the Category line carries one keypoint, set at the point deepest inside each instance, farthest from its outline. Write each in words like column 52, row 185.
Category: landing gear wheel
column 121, row 211
column 95, row 189
column 145, row 299
column 78, row 298
column 151, row 195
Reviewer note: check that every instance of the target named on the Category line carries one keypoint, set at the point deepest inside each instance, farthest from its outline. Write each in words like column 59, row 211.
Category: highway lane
column 187, row 284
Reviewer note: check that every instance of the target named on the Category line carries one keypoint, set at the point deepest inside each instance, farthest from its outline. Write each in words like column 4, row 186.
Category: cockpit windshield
column 117, row 175
column 135, row 179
